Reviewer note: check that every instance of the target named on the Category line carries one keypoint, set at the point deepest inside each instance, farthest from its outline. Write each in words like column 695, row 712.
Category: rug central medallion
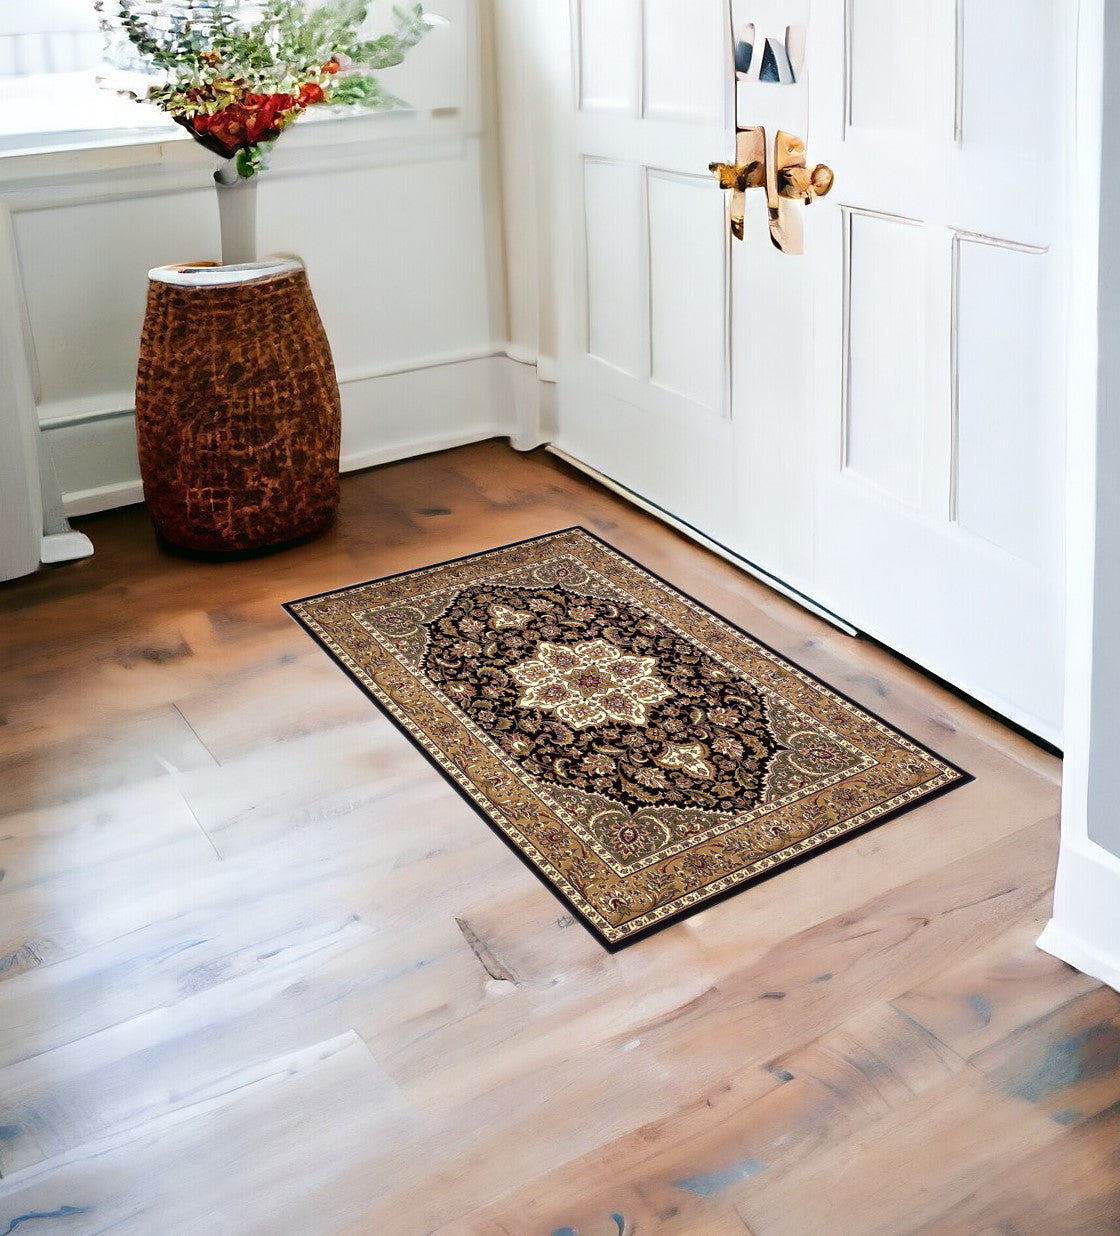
column 642, row 754
column 589, row 684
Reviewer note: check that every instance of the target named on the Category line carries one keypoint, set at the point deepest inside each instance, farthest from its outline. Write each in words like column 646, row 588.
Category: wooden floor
column 262, row 970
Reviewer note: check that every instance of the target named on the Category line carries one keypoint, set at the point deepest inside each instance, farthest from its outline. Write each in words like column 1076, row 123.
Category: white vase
column 237, row 214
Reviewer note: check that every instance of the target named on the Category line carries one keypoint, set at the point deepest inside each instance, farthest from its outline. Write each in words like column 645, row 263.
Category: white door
column 939, row 335
column 644, row 379
column 896, row 422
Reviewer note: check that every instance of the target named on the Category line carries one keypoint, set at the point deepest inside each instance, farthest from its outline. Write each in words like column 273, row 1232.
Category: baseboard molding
column 356, row 461
column 96, row 463
column 1084, row 931
column 1075, row 952
column 398, row 413
column 103, row 497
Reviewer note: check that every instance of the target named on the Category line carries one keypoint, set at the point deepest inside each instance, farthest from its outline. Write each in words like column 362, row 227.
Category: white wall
column 21, row 510
column 1103, row 790
column 1085, row 927
column 396, row 215
column 532, row 78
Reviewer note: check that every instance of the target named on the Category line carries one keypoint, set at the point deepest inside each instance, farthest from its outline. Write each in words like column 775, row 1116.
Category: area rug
column 643, row 755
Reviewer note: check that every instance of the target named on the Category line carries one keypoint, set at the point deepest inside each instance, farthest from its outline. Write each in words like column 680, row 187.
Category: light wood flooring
column 263, row 971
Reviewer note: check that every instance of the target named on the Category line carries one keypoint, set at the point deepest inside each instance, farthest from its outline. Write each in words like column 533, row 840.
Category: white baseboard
column 398, row 415
column 103, row 497
column 64, row 547
column 355, row 461
column 385, row 416
column 1089, row 959
column 1084, row 931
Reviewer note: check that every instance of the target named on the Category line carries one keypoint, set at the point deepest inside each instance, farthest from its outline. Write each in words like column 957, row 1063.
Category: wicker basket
column 237, row 409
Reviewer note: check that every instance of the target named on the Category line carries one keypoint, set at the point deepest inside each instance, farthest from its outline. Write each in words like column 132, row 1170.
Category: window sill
column 310, row 146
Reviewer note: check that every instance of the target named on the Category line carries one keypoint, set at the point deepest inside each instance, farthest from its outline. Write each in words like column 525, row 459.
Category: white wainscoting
column 440, row 403
column 392, row 214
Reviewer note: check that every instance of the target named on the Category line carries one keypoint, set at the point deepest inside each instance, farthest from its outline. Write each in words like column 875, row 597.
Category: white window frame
column 156, row 139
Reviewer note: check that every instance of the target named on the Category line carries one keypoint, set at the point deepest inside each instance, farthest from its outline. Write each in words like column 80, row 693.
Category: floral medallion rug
column 643, row 755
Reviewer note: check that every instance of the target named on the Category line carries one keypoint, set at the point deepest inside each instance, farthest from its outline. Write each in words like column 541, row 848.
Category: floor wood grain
column 262, row 970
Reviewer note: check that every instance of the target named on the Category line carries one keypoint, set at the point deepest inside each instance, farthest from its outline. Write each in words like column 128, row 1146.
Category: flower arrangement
column 236, row 73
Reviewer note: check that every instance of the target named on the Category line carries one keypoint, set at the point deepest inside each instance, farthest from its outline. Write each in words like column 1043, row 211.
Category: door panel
column 685, row 75
column 644, row 378
column 687, row 292
column 1006, row 71
column 1001, row 405
column 884, row 354
column 613, row 300
column 608, row 65
column 880, row 421
column 938, row 332
column 885, row 75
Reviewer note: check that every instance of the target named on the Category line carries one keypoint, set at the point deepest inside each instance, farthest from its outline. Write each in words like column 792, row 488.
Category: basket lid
column 212, row 274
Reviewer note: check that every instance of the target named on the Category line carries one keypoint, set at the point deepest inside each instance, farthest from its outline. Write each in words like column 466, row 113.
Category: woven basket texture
column 238, row 418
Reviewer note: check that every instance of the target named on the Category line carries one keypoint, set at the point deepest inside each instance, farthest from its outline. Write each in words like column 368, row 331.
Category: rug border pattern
column 951, row 777
column 542, row 792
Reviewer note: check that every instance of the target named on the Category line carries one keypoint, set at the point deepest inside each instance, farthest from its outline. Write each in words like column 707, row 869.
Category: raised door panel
column 688, row 288
column 616, row 314
column 1004, row 462
column 686, row 59
column 1013, row 82
column 885, row 86
column 885, row 355
column 1006, row 72
column 609, row 54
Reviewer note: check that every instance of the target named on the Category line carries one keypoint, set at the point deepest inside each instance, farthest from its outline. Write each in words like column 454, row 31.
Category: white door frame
column 1085, row 927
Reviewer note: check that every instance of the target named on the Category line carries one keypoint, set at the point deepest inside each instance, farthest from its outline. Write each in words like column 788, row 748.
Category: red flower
column 256, row 118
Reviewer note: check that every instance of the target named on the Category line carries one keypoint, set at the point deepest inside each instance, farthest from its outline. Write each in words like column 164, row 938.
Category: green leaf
column 279, row 48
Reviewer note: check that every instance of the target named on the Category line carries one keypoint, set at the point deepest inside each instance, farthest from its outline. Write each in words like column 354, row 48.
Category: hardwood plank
column 1066, row 1063
column 738, row 1018
column 873, row 1063
column 862, row 956
column 291, row 693
column 105, row 757
column 996, row 990
column 1061, row 1071
column 219, row 1017
column 262, row 969
column 269, row 1149
column 692, row 1166
column 896, row 1176
column 83, row 834
column 1070, row 1185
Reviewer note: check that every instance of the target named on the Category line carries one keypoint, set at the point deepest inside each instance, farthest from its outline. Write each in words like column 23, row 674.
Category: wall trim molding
column 78, row 178
column 103, row 498
column 65, row 420
column 63, row 414
column 128, row 493
column 1085, row 929
column 389, row 413
column 363, row 373
column 1081, row 954
column 356, row 461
